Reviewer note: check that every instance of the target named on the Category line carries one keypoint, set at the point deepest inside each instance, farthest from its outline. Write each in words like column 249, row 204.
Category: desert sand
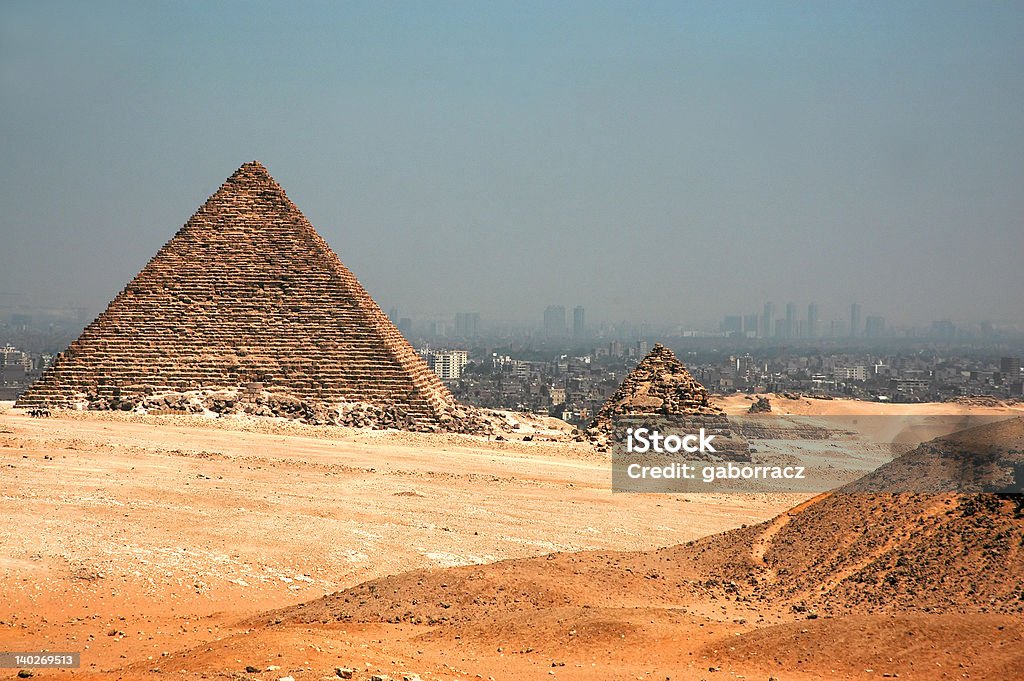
column 189, row 548
column 808, row 406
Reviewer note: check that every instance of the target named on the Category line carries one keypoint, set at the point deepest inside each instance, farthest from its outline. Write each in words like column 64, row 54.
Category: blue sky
column 663, row 161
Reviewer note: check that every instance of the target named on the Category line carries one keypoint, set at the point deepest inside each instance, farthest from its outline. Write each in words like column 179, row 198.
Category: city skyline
column 834, row 323
column 566, row 324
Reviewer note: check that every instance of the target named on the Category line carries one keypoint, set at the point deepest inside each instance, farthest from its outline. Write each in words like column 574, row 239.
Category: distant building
column 733, row 324
column 744, row 364
column 874, row 327
column 1009, row 367
column 943, row 329
column 854, row 320
column 768, row 321
column 579, row 325
column 10, row 355
column 837, row 328
column 405, row 327
column 14, row 366
column 855, row 373
column 467, row 324
column 909, row 385
column 812, row 320
column 791, row 325
column 448, row 364
column 554, row 320
column 750, row 325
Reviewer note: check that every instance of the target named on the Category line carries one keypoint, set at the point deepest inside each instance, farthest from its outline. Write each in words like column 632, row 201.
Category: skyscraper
column 405, row 326
column 732, row 325
column 791, row 328
column 854, row 320
column 467, row 324
column 579, row 327
column 812, row 320
column 750, row 325
column 554, row 320
column 874, row 327
column 768, row 320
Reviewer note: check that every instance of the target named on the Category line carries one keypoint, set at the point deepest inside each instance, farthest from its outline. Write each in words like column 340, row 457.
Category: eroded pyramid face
column 246, row 291
column 659, row 384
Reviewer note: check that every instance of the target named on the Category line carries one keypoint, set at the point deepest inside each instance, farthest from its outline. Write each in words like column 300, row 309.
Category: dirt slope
column 843, row 552
column 845, row 585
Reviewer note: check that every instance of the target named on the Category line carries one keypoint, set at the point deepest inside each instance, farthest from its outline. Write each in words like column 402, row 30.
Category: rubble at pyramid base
column 225, row 402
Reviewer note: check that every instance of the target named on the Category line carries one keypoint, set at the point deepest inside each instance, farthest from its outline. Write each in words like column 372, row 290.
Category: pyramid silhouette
column 247, row 292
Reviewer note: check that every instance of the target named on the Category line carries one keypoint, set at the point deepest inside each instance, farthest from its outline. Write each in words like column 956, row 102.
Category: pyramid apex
column 252, row 174
column 252, row 168
column 659, row 350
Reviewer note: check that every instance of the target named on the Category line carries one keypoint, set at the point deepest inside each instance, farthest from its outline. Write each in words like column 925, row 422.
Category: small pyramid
column 659, row 385
column 661, row 388
column 247, row 293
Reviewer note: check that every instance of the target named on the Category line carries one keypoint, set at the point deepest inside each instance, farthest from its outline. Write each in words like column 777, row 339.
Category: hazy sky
column 670, row 161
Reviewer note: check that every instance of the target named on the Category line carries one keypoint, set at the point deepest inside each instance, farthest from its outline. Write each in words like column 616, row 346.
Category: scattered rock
column 761, row 406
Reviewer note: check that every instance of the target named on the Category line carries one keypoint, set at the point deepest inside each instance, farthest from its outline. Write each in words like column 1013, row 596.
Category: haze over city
column 654, row 163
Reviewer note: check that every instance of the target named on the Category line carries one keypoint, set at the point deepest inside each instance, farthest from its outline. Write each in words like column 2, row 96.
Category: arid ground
column 177, row 547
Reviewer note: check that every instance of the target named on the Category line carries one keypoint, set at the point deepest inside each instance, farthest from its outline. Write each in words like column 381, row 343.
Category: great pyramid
column 247, row 295
column 660, row 387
